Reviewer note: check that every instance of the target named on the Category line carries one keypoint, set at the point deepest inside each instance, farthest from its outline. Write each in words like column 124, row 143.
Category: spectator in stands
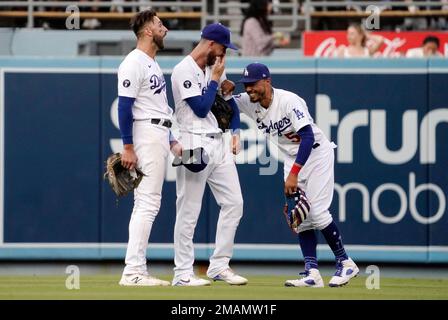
column 91, row 23
column 425, row 22
column 116, row 7
column 256, row 30
column 360, row 43
column 429, row 48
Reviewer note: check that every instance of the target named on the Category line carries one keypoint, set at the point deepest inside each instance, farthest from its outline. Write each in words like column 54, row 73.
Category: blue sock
column 308, row 244
column 334, row 240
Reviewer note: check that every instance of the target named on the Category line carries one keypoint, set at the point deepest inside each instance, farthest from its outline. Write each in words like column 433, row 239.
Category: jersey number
column 294, row 137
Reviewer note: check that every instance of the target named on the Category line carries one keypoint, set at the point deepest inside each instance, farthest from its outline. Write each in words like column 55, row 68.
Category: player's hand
column 218, row 68
column 176, row 148
column 291, row 184
column 128, row 157
column 227, row 87
column 235, row 144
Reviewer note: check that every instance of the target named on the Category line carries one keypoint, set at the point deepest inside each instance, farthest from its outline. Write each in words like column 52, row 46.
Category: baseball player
column 309, row 164
column 145, row 120
column 195, row 82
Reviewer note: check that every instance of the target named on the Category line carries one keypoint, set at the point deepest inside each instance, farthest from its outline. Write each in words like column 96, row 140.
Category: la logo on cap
column 246, row 73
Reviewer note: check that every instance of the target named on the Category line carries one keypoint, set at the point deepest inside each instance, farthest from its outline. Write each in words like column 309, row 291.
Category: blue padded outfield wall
column 388, row 117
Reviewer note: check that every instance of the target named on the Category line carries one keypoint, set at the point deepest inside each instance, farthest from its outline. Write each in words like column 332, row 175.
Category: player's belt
column 216, row 135
column 316, row 145
column 212, row 135
column 161, row 122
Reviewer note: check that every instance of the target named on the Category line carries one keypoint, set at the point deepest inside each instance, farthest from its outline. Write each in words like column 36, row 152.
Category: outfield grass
column 259, row 288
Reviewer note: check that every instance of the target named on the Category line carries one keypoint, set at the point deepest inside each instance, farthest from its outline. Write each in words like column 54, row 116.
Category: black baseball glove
column 223, row 112
column 121, row 180
column 296, row 209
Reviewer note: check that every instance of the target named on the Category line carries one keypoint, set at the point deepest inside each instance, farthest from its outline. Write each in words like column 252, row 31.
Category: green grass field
column 259, row 288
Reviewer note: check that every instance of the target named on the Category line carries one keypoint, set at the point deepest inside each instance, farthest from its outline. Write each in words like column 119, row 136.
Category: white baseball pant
column 222, row 177
column 151, row 145
column 316, row 178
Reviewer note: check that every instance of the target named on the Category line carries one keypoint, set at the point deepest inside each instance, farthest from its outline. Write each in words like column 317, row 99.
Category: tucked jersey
column 287, row 114
column 140, row 77
column 189, row 80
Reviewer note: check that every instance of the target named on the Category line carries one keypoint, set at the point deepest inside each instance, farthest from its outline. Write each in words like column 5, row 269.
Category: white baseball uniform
column 140, row 77
column 286, row 115
column 188, row 80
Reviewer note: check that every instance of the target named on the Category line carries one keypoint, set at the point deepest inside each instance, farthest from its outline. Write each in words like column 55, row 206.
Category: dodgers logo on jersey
column 299, row 114
column 157, row 83
column 279, row 126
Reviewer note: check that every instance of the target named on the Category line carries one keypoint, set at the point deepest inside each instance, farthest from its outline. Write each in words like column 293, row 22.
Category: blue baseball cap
column 218, row 33
column 254, row 72
column 194, row 160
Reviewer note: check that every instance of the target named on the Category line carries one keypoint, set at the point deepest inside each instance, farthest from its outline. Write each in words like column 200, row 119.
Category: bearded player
column 195, row 82
column 144, row 120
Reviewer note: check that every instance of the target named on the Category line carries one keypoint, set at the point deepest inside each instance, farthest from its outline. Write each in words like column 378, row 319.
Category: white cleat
column 345, row 270
column 311, row 279
column 231, row 278
column 190, row 281
column 139, row 280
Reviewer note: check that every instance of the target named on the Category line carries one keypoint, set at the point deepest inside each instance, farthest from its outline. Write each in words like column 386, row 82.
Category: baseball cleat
column 190, row 281
column 139, row 280
column 345, row 270
column 231, row 278
column 311, row 278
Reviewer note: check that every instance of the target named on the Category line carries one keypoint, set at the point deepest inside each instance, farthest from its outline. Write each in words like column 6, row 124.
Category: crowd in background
column 257, row 35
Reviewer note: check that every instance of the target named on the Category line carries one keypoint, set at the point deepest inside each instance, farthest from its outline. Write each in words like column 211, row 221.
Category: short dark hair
column 432, row 39
column 141, row 18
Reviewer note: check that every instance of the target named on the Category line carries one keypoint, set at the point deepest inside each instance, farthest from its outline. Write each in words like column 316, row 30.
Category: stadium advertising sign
column 396, row 44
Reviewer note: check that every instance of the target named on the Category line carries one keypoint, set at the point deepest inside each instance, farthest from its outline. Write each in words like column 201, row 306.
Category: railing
column 382, row 8
column 226, row 11
column 231, row 11
column 31, row 12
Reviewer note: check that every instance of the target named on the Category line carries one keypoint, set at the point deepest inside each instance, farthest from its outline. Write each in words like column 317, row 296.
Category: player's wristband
column 295, row 169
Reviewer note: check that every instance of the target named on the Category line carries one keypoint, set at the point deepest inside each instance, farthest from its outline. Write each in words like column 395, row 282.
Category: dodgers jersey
column 140, row 77
column 286, row 115
column 188, row 80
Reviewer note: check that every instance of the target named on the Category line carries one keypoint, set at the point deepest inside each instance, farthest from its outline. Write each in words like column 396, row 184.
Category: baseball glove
column 223, row 112
column 121, row 180
column 296, row 209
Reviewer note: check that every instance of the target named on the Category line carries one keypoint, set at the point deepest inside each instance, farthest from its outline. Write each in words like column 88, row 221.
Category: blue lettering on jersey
column 299, row 114
column 203, row 90
column 279, row 126
column 157, row 83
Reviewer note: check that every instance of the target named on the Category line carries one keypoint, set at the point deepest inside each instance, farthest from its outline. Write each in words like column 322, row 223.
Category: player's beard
column 158, row 40
column 211, row 58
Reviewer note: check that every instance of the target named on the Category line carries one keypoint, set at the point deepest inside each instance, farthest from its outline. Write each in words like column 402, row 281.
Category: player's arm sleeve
column 202, row 104
column 296, row 112
column 235, row 123
column 129, row 79
column 125, row 118
column 306, row 144
column 241, row 103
